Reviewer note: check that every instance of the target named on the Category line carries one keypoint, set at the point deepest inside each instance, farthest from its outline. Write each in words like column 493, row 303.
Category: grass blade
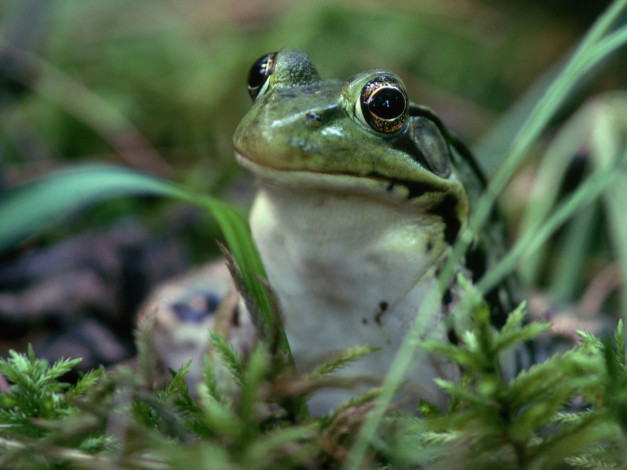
column 596, row 184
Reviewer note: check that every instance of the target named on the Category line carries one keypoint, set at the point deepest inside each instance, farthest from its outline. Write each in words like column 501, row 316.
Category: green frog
column 362, row 194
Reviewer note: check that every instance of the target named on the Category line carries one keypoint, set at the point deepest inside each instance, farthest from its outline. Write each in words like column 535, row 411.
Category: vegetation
column 567, row 412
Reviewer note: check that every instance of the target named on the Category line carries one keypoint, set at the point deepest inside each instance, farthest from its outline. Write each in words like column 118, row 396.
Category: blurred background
column 159, row 86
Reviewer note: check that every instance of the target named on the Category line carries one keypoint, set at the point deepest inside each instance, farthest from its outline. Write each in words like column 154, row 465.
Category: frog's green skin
column 352, row 224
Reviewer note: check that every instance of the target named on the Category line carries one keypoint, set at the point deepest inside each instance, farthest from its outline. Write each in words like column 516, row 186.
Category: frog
column 361, row 195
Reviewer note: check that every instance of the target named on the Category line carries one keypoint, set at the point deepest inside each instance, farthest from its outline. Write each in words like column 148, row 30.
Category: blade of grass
column 547, row 181
column 590, row 190
column 572, row 252
column 34, row 207
column 614, row 200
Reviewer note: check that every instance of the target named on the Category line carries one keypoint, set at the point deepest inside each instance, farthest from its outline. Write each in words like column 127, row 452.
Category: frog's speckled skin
column 352, row 225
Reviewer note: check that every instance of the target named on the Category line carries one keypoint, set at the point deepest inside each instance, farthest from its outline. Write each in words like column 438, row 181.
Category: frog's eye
column 383, row 104
column 259, row 73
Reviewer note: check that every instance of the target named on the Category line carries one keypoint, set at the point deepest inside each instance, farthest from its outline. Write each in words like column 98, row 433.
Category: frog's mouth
column 395, row 187
column 443, row 199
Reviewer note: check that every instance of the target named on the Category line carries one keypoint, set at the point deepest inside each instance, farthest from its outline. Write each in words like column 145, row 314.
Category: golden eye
column 384, row 104
column 259, row 73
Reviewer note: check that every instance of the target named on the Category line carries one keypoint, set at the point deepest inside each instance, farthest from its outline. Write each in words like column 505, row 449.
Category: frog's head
column 362, row 135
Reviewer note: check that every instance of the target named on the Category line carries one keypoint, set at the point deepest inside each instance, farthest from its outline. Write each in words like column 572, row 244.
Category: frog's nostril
column 323, row 115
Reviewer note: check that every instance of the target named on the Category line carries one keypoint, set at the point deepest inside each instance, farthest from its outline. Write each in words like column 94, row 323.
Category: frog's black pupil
column 387, row 103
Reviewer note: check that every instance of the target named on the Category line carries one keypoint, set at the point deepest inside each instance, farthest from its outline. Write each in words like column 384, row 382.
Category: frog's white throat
column 349, row 269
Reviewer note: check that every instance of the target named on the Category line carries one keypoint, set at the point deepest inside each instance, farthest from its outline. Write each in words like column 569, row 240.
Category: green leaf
column 256, row 369
column 568, row 374
column 619, row 340
column 85, row 383
column 229, row 356
column 340, row 360
column 214, row 387
column 177, row 383
column 588, row 339
column 515, row 319
column 508, row 339
column 458, row 354
column 461, row 392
